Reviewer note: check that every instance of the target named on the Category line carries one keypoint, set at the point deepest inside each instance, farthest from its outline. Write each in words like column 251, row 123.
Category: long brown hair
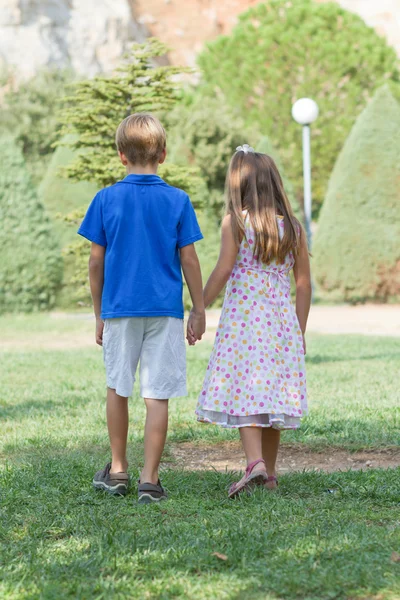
column 253, row 184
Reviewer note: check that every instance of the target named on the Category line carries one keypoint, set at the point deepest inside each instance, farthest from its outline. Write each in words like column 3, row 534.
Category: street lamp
column 304, row 112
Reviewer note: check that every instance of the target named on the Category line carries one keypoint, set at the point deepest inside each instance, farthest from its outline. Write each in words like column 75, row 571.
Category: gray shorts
column 158, row 343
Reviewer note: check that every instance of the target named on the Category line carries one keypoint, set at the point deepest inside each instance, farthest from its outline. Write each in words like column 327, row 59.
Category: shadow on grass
column 67, row 540
column 316, row 359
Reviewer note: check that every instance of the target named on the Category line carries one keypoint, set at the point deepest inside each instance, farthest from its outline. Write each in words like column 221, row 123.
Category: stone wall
column 88, row 35
column 91, row 35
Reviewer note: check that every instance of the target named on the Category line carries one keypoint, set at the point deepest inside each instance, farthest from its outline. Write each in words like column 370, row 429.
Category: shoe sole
column 256, row 480
column 148, row 499
column 115, row 490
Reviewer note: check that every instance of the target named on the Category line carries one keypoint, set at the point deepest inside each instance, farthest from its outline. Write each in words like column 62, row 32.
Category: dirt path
column 368, row 319
column 64, row 331
column 229, row 456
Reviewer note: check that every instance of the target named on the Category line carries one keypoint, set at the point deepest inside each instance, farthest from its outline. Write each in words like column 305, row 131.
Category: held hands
column 196, row 326
column 99, row 331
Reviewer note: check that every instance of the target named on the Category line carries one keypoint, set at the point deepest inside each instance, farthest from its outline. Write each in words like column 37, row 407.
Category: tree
column 29, row 114
column 91, row 115
column 203, row 132
column 30, row 266
column 357, row 250
column 282, row 50
column 97, row 106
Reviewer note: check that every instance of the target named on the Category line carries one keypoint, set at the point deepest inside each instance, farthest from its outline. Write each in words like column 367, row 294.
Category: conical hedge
column 61, row 196
column 30, row 266
column 357, row 244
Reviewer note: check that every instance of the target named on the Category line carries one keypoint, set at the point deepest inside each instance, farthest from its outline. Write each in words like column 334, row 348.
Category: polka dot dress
column 256, row 373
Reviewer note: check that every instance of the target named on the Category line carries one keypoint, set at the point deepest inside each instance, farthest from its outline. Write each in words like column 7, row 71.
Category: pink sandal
column 250, row 481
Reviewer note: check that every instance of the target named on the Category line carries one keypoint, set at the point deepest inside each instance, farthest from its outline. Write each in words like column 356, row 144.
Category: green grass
column 61, row 539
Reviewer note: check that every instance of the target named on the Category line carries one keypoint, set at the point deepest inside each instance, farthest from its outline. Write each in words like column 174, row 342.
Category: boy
column 142, row 232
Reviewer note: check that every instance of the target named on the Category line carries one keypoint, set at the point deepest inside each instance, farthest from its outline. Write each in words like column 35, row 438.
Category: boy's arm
column 302, row 275
column 192, row 273
column 96, row 278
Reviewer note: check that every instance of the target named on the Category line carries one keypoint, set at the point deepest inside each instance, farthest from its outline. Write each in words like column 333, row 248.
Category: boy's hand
column 99, row 331
column 196, row 326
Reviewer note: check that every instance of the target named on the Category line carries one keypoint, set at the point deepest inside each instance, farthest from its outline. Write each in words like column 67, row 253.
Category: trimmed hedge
column 281, row 51
column 30, row 266
column 357, row 244
column 60, row 195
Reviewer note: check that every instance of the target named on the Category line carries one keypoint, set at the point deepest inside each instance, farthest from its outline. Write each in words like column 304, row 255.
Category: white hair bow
column 245, row 148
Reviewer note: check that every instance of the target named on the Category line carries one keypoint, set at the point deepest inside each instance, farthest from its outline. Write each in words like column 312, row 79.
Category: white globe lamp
column 304, row 112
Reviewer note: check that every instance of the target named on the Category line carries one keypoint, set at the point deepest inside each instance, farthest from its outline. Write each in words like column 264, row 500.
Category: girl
column 255, row 379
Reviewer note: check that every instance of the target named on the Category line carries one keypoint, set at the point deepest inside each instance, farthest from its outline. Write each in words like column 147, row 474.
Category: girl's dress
column 256, row 373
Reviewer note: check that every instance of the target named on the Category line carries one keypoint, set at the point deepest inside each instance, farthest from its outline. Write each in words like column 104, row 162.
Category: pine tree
column 97, row 106
column 91, row 115
column 357, row 249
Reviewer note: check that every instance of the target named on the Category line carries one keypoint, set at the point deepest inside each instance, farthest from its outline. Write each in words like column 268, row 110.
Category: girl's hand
column 304, row 344
column 196, row 326
column 99, row 331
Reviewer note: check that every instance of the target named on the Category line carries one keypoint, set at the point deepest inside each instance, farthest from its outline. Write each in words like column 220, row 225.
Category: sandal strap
column 251, row 466
column 272, row 478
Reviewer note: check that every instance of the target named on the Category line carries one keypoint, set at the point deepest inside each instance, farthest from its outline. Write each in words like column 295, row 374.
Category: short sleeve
column 188, row 228
column 92, row 227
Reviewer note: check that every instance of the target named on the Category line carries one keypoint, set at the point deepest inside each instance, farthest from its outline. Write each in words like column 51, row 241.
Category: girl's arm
column 302, row 277
column 192, row 272
column 224, row 266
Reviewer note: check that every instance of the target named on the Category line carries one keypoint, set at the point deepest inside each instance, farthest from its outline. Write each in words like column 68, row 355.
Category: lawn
column 321, row 536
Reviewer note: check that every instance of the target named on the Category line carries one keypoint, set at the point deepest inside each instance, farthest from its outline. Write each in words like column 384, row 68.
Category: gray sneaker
column 150, row 492
column 113, row 483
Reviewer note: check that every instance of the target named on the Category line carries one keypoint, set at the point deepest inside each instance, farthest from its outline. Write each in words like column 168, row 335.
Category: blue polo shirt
column 142, row 222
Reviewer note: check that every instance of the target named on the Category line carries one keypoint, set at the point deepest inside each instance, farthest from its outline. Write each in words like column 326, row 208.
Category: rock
column 89, row 36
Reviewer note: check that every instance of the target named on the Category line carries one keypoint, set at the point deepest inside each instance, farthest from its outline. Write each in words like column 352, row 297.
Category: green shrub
column 281, row 51
column 203, row 132
column 357, row 244
column 29, row 114
column 60, row 195
column 30, row 267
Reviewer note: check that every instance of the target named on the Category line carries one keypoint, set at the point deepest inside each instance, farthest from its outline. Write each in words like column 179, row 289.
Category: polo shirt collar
column 143, row 179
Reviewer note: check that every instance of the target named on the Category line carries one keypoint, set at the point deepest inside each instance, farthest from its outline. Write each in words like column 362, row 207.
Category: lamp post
column 304, row 112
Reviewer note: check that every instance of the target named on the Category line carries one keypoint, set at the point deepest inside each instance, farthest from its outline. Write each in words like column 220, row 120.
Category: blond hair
column 142, row 139
column 253, row 184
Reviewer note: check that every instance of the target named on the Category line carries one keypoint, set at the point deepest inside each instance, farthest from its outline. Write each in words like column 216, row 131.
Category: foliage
column 68, row 541
column 357, row 251
column 203, row 132
column 60, row 195
column 91, row 116
column 29, row 113
column 30, row 268
column 97, row 106
column 281, row 51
